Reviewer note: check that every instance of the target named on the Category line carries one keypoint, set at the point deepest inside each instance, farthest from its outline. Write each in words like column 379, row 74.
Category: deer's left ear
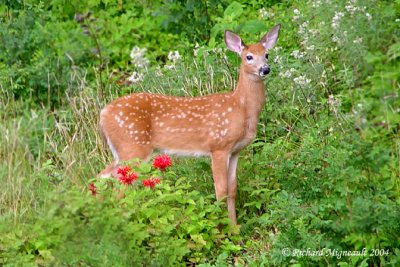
column 270, row 38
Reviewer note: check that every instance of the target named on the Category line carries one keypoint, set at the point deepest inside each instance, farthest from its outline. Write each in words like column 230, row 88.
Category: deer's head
column 254, row 56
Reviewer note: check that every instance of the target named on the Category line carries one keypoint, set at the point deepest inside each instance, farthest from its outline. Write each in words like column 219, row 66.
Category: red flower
column 151, row 182
column 162, row 162
column 92, row 188
column 123, row 170
column 128, row 178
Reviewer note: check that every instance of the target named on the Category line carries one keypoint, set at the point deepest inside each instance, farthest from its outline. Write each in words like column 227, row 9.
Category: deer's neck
column 250, row 92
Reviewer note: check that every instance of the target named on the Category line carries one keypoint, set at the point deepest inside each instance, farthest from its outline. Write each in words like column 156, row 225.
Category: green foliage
column 122, row 225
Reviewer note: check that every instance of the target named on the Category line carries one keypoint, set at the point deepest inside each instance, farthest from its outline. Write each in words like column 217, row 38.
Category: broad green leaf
column 234, row 10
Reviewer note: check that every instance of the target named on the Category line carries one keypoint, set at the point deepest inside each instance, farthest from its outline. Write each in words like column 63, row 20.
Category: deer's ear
column 270, row 38
column 233, row 42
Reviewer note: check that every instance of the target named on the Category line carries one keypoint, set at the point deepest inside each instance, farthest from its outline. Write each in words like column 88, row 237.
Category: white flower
column 265, row 14
column 336, row 39
column 297, row 14
column 297, row 54
column 369, row 17
column 333, row 103
column 311, row 47
column 277, row 60
column 158, row 71
column 196, row 49
column 351, row 9
column 314, row 32
column 302, row 80
column 316, row 3
column 303, row 27
column 138, row 59
column 137, row 52
column 287, row 74
column 135, row 77
column 336, row 19
column 358, row 40
column 217, row 50
column 169, row 67
column 174, row 56
column 276, row 49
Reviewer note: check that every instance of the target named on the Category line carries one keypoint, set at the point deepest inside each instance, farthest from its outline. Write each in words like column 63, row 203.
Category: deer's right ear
column 233, row 42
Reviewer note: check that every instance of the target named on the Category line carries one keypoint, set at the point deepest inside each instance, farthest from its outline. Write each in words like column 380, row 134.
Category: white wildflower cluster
column 316, row 4
column 135, row 77
column 336, row 19
column 358, row 40
column 297, row 14
column 310, row 48
column 265, row 14
column 158, row 71
column 351, row 7
column 137, row 57
column 287, row 74
column 169, row 67
column 314, row 32
column 303, row 27
column 333, row 103
column 297, row 54
column 277, row 59
column 196, row 49
column 302, row 80
column 174, row 56
column 369, row 17
column 335, row 39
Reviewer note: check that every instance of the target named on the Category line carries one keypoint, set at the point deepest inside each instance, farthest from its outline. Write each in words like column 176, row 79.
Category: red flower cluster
column 126, row 176
column 151, row 182
column 162, row 162
column 92, row 188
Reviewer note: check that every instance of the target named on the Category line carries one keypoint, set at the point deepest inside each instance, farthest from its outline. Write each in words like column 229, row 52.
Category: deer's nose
column 264, row 70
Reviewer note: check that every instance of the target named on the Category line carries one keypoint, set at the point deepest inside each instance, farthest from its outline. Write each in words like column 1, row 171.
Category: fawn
column 218, row 125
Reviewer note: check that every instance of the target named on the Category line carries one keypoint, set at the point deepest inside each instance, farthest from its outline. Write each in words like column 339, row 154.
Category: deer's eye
column 249, row 57
column 266, row 56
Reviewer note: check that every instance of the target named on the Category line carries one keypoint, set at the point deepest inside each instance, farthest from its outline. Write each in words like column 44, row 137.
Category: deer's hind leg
column 125, row 146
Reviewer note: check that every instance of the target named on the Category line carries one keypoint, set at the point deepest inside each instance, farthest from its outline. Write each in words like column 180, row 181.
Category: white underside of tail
column 113, row 151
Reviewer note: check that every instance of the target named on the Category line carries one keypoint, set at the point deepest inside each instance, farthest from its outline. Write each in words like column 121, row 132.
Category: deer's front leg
column 219, row 160
column 225, row 185
column 232, row 187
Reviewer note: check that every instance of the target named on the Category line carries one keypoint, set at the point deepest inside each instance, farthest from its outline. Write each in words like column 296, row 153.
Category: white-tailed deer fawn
column 219, row 125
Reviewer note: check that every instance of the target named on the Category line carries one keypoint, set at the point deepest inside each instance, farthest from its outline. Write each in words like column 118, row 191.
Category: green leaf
column 253, row 26
column 234, row 10
column 145, row 167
